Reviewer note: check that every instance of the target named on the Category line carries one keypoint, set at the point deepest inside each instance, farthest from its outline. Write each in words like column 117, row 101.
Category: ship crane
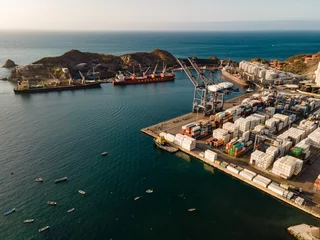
column 58, row 81
column 155, row 69
column 204, row 100
column 83, row 78
column 145, row 72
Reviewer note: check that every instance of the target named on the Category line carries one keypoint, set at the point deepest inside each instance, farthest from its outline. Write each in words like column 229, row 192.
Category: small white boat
column 149, row 191
column 29, row 221
column 82, row 192
column 60, row 180
column 191, row 209
column 104, row 154
column 52, row 203
column 9, row 211
column 43, row 229
column 70, row 210
column 137, row 198
column 39, row 180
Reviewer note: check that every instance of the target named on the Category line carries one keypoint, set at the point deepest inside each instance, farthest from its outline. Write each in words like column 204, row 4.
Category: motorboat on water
column 137, row 198
column 149, row 191
column 43, row 229
column 52, row 203
column 104, row 154
column 60, row 180
column 9, row 211
column 191, row 209
column 70, row 210
column 39, row 180
column 29, row 221
column 82, row 192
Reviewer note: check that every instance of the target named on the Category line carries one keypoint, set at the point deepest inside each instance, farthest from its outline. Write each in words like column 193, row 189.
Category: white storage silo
column 245, row 67
column 262, row 74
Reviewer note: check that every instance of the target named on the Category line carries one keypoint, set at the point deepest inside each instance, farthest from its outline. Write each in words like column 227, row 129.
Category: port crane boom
column 203, row 100
column 203, row 77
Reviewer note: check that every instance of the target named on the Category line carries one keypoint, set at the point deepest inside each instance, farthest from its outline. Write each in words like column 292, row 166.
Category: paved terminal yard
column 304, row 180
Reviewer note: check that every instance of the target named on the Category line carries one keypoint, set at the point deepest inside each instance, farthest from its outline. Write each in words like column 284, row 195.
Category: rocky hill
column 106, row 64
column 296, row 64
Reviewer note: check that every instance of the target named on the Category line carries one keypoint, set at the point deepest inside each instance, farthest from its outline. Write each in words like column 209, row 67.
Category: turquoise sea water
column 53, row 135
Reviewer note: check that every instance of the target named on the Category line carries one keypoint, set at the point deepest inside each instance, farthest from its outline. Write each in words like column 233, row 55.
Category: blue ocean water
column 54, row 134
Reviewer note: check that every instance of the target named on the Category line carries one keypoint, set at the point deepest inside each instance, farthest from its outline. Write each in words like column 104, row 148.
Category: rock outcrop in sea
column 9, row 64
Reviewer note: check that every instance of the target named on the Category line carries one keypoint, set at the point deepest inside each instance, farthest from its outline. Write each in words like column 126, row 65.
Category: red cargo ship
column 121, row 79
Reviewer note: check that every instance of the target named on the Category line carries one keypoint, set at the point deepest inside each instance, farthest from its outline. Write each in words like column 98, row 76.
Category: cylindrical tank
column 250, row 69
column 255, row 70
column 246, row 66
column 262, row 74
column 242, row 64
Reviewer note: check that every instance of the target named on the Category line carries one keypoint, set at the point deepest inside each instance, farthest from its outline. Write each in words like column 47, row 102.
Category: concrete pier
column 304, row 232
column 174, row 125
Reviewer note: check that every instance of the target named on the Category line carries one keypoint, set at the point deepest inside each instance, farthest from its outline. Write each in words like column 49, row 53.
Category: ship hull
column 145, row 80
column 55, row 89
column 234, row 79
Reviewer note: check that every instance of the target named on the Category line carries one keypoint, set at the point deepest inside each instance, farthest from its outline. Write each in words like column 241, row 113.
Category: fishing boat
column 149, row 191
column 163, row 144
column 29, row 221
column 191, row 209
column 60, row 180
column 137, row 198
column 104, row 154
column 70, row 210
column 43, row 229
column 39, row 180
column 9, row 211
column 52, row 203
column 249, row 90
column 82, row 192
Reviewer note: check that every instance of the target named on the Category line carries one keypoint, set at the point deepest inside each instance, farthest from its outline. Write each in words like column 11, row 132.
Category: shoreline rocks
column 9, row 64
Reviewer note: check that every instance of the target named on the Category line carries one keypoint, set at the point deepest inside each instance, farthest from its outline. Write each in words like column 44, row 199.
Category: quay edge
column 195, row 154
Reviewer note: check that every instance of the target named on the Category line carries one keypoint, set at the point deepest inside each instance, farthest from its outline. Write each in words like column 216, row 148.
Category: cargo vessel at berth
column 23, row 88
column 55, row 84
column 234, row 78
column 122, row 79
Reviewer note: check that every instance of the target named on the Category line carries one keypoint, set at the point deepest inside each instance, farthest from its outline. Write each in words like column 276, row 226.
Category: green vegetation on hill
column 295, row 67
column 296, row 64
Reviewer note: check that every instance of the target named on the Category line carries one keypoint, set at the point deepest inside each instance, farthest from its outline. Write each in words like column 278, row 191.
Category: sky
column 151, row 15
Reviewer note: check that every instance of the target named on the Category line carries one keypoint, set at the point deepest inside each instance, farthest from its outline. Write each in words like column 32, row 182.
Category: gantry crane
column 204, row 100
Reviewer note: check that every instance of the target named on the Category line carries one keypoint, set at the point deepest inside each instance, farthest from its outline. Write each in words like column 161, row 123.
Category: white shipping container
column 246, row 175
column 163, row 134
column 169, row 137
column 263, row 179
column 232, row 169
column 260, row 182
column 210, row 155
column 276, row 189
column 249, row 172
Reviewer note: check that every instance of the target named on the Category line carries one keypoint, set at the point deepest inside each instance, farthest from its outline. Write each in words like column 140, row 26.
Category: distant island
column 106, row 65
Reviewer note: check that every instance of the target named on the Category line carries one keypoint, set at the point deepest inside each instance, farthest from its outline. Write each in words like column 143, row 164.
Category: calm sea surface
column 53, row 135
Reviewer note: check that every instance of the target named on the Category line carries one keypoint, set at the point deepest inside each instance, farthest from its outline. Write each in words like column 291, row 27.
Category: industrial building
column 264, row 74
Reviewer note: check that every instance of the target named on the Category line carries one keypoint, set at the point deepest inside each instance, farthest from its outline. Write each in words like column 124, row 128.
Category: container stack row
column 287, row 166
